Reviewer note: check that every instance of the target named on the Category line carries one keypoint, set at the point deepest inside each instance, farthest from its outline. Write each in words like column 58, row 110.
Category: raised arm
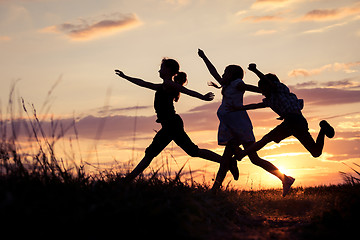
column 210, row 67
column 137, row 81
column 252, row 67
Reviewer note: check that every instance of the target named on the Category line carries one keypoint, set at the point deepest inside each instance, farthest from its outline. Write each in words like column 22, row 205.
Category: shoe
column 329, row 130
column 234, row 168
column 288, row 181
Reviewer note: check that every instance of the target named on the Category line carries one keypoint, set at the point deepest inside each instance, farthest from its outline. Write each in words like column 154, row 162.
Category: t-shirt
column 164, row 104
column 283, row 102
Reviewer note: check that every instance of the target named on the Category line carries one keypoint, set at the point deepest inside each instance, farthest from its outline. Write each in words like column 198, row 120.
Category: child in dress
column 288, row 107
column 235, row 127
column 172, row 126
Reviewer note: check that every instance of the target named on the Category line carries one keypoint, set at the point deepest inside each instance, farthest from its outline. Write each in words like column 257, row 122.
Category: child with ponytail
column 172, row 126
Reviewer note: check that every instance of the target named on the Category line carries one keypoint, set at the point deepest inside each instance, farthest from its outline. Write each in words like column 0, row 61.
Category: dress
column 233, row 124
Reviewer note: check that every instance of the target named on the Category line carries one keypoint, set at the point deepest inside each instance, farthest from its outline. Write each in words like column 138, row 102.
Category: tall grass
column 352, row 179
column 28, row 150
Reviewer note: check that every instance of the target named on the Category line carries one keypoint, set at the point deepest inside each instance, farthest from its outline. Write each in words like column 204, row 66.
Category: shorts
column 172, row 129
column 293, row 125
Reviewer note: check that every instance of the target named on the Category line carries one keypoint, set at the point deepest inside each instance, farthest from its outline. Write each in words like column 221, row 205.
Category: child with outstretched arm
column 279, row 98
column 172, row 125
column 235, row 128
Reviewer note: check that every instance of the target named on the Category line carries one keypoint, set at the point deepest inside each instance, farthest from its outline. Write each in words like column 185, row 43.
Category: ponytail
column 180, row 78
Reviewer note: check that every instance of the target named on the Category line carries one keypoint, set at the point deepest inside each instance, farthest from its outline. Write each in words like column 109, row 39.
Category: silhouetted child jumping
column 288, row 107
column 235, row 127
column 172, row 126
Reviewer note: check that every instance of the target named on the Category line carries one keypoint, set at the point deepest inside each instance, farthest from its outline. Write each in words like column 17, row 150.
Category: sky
column 61, row 55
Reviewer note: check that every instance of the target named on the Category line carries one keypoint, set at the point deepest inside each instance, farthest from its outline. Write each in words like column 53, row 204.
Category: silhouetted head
column 169, row 68
column 265, row 87
column 232, row 72
column 272, row 77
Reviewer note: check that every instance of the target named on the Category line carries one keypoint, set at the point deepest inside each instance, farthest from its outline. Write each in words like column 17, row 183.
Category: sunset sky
column 61, row 54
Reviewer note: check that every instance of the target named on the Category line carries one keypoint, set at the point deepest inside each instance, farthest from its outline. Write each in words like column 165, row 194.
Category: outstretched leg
column 143, row 164
column 266, row 165
column 316, row 148
column 287, row 181
column 160, row 141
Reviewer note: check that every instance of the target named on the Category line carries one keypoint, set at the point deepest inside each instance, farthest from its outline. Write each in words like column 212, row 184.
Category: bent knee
column 193, row 152
column 316, row 153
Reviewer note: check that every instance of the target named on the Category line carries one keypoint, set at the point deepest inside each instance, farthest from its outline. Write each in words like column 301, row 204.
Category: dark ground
column 169, row 209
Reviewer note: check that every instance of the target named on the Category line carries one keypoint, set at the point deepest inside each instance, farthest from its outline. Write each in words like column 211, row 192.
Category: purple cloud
column 87, row 29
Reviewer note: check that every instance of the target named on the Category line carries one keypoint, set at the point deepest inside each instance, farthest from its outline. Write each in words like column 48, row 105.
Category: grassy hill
column 50, row 202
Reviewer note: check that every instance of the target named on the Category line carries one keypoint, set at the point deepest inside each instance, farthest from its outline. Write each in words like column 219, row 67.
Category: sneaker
column 329, row 130
column 234, row 168
column 288, row 181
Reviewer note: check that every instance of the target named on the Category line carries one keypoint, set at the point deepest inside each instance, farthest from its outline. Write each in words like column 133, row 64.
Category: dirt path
column 282, row 227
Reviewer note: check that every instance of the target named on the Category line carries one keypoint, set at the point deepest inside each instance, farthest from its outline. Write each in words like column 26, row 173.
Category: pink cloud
column 344, row 146
column 203, row 118
column 346, row 67
column 88, row 29
column 328, row 96
column 331, row 14
column 5, row 39
column 262, row 18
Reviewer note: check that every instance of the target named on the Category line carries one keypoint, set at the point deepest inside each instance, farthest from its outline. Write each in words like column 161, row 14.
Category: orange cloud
column 89, row 29
column 326, row 28
column 257, row 2
column 271, row 4
column 261, row 18
column 346, row 67
column 265, row 32
column 331, row 14
column 5, row 39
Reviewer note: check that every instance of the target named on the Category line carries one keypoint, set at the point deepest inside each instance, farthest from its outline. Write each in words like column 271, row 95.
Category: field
column 50, row 202
column 44, row 196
